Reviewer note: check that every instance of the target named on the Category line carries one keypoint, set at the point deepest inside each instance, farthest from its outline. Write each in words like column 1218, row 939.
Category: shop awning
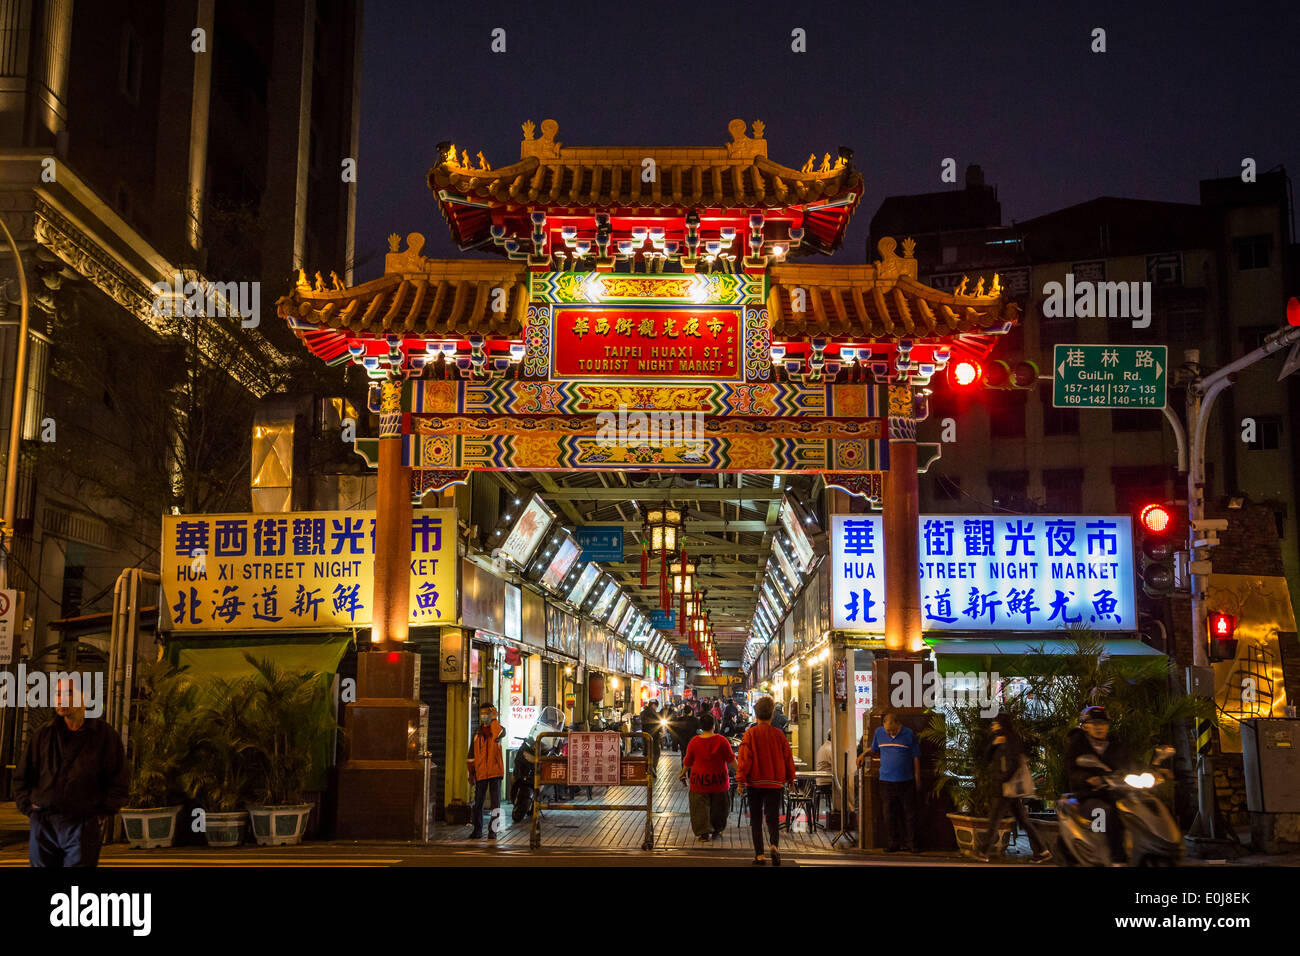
column 224, row 656
column 965, row 654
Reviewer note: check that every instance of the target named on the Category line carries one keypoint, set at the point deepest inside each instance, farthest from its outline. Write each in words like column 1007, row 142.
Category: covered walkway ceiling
column 730, row 520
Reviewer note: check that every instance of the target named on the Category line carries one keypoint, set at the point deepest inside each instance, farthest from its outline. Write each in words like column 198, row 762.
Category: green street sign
column 1109, row 376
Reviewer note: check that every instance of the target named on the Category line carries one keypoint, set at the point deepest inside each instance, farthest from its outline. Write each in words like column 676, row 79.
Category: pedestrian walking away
column 766, row 766
column 705, row 764
column 899, row 754
column 1010, row 766
column 486, row 770
column 71, row 777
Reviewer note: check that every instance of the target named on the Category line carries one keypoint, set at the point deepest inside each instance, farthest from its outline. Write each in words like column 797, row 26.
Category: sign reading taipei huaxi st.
column 1109, row 376
column 982, row 573
column 297, row 571
column 638, row 343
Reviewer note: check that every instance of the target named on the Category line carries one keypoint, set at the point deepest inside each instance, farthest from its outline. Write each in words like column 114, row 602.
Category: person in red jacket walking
column 766, row 766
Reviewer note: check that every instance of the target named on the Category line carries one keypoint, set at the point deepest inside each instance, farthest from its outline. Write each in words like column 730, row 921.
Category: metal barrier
column 554, row 764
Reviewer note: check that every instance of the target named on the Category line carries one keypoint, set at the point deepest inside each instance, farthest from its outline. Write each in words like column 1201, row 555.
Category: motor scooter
column 1151, row 836
column 550, row 720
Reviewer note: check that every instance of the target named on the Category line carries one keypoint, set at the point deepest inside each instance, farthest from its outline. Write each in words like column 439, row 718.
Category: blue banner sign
column 601, row 543
column 663, row 620
column 1001, row 573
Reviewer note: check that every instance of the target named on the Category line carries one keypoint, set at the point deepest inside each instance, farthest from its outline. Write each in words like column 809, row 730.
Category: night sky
column 1177, row 97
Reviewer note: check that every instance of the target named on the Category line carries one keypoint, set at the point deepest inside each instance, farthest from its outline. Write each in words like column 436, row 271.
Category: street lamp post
column 1201, row 396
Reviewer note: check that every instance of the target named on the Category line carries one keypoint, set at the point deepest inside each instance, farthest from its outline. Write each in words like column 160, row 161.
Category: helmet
column 1096, row 712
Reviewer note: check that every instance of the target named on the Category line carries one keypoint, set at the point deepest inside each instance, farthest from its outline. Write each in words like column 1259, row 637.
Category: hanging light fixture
column 661, row 536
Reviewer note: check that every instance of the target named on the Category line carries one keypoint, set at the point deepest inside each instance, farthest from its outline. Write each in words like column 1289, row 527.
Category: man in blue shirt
column 899, row 756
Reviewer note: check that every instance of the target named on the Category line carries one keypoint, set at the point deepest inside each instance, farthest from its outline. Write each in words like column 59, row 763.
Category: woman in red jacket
column 707, row 758
column 766, row 765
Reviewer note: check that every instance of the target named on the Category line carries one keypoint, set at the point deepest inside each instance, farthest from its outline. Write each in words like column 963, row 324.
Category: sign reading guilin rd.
column 1109, row 376
column 646, row 343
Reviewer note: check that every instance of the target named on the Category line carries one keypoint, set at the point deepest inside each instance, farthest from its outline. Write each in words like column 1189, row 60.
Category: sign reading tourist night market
column 982, row 573
column 1109, row 376
column 304, row 570
column 645, row 343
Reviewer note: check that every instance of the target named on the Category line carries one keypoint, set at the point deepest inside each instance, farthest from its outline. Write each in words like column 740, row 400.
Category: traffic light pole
column 1201, row 396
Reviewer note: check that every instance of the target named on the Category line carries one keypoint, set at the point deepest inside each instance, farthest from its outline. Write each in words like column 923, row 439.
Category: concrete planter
column 150, row 829
column 969, row 829
column 280, row 826
column 226, row 829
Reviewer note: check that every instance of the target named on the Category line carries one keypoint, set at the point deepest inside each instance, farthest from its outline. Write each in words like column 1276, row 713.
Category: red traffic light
column 1222, row 626
column 1157, row 519
column 1293, row 311
column 964, row 373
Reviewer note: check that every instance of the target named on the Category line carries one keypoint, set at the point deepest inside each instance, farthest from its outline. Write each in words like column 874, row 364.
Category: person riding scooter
column 1092, row 737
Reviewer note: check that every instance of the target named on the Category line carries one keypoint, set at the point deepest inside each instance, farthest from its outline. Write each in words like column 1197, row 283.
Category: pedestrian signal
column 1223, row 636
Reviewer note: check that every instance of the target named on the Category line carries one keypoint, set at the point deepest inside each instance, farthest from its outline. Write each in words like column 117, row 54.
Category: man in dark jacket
column 650, row 725
column 1092, row 738
column 72, row 775
column 687, row 726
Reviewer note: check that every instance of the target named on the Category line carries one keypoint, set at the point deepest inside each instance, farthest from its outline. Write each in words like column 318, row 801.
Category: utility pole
column 1201, row 395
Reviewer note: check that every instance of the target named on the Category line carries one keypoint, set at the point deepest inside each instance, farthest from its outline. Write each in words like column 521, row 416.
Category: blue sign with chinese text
column 663, row 620
column 1003, row 573
column 601, row 543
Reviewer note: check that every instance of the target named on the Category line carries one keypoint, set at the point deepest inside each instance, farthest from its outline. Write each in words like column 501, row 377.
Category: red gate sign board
column 618, row 343
column 594, row 759
column 634, row 770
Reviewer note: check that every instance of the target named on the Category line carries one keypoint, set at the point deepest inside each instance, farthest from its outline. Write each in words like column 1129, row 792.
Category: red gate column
column 392, row 585
column 901, row 523
column 383, row 780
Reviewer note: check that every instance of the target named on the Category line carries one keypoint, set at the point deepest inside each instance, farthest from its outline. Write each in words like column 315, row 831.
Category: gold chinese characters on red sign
column 611, row 342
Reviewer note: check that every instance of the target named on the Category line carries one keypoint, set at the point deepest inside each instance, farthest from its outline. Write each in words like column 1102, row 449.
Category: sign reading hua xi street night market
column 1004, row 573
column 300, row 571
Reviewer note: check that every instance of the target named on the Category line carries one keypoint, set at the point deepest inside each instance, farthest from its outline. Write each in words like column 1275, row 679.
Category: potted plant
column 222, row 748
column 292, row 723
column 1138, row 693
column 156, row 744
column 963, row 772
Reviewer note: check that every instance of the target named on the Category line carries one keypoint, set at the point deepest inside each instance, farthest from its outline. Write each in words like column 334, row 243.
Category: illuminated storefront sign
column 527, row 532
column 314, row 569
column 1004, row 573
column 611, row 342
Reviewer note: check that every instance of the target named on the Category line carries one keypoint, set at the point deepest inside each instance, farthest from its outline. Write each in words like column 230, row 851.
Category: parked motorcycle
column 550, row 720
column 1151, row 836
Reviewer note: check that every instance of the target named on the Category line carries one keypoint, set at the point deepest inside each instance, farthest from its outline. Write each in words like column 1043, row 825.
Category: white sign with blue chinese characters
column 1003, row 573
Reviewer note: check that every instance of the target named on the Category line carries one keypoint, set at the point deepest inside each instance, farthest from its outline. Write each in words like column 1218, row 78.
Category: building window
column 1252, row 336
column 1135, row 420
column 1053, row 332
column 949, row 255
column 1009, row 489
column 947, row 487
column 1268, row 433
column 1007, row 413
column 1252, row 251
column 1135, row 487
column 1063, row 489
column 132, row 64
column 1057, row 421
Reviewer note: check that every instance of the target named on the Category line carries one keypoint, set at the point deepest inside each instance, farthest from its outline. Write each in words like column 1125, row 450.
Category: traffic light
column 965, row 374
column 968, row 374
column 1156, row 527
column 1223, row 636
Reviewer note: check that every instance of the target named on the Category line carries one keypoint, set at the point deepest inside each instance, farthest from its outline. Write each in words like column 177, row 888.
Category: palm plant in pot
column 963, row 737
column 218, row 772
column 157, row 739
column 293, row 726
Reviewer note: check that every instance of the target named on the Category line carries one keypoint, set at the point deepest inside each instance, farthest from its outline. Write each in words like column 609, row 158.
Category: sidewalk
column 13, row 825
